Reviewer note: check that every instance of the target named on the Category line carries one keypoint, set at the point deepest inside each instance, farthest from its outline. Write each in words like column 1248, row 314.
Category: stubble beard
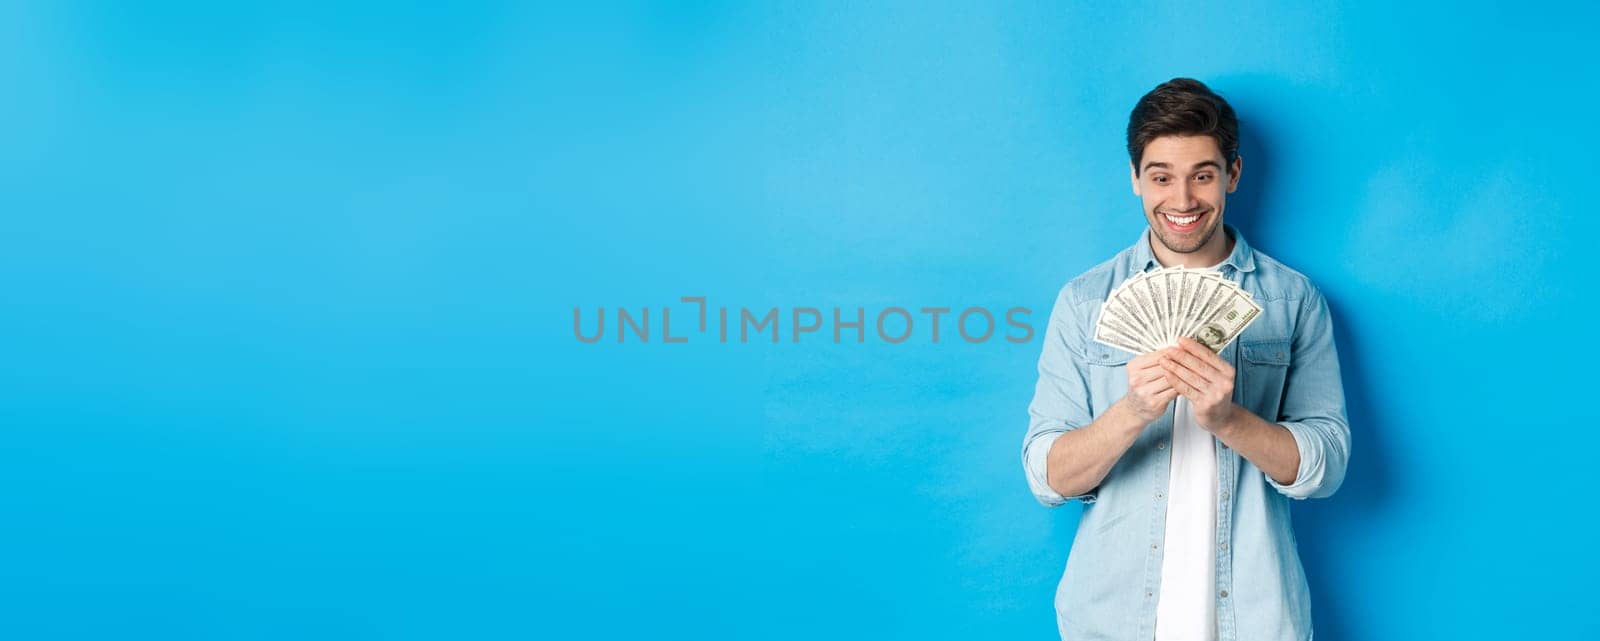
column 1175, row 245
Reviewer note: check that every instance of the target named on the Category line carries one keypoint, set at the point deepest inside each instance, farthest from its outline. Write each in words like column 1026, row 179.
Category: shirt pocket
column 1266, row 368
column 1106, row 356
column 1108, row 376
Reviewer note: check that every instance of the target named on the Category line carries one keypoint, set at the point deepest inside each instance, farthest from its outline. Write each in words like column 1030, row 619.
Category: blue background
column 288, row 295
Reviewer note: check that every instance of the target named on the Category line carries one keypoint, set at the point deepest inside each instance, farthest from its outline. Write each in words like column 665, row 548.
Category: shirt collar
column 1242, row 258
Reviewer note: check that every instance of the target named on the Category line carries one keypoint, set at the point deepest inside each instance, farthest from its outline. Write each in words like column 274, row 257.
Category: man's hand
column 1201, row 376
column 1149, row 388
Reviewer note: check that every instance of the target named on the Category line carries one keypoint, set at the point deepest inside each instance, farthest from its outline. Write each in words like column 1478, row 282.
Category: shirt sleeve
column 1313, row 408
column 1060, row 399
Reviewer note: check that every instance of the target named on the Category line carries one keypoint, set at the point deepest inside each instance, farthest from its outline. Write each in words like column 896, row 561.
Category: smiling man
column 1186, row 459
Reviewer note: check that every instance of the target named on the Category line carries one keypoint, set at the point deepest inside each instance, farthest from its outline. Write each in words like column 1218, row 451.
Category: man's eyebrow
column 1204, row 163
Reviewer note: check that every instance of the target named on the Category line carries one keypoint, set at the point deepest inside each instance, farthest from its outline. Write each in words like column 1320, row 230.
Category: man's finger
column 1145, row 363
column 1180, row 387
column 1204, row 354
column 1175, row 362
column 1139, row 377
column 1167, row 375
column 1156, row 386
column 1202, row 365
column 1188, row 377
column 1146, row 372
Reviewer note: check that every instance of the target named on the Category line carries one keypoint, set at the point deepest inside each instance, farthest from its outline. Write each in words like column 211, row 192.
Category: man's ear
column 1233, row 174
column 1133, row 174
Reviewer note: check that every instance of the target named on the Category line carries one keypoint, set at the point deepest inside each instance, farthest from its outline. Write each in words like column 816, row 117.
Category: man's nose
column 1185, row 200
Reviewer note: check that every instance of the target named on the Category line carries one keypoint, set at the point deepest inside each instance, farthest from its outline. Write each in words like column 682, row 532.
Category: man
column 1186, row 459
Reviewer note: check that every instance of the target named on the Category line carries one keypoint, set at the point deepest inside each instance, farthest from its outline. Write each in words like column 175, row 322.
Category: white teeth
column 1181, row 221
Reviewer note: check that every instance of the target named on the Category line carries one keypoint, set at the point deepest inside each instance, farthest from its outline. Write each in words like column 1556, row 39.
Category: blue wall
column 288, row 337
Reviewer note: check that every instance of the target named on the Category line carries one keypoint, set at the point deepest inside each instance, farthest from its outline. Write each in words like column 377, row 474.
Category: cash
column 1152, row 309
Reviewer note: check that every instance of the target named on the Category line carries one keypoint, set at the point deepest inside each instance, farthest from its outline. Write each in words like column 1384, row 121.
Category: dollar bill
column 1227, row 322
column 1219, row 292
column 1118, row 319
column 1105, row 333
column 1185, row 288
column 1150, row 310
column 1136, row 296
column 1201, row 289
column 1158, row 297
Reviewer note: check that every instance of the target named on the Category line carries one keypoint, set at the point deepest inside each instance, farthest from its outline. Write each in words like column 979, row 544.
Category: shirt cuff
column 1309, row 476
column 1035, row 460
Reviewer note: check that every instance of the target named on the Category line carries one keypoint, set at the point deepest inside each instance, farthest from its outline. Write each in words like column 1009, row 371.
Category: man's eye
column 1160, row 180
column 1203, row 177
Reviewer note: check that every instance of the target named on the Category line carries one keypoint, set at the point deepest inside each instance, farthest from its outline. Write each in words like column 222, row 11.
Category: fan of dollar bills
column 1151, row 310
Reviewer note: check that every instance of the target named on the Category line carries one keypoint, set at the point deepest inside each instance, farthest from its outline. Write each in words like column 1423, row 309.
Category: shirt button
column 1280, row 355
column 1148, row 595
column 1224, row 494
column 1224, row 546
column 1162, row 445
column 1153, row 546
column 1158, row 495
column 1224, row 594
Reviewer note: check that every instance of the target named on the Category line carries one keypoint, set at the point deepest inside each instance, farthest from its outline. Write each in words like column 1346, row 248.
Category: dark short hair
column 1182, row 107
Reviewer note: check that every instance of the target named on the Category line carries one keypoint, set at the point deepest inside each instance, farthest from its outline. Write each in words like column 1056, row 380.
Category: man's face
column 1184, row 184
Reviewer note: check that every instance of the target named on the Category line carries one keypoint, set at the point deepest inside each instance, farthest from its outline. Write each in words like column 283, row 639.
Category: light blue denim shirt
column 1287, row 372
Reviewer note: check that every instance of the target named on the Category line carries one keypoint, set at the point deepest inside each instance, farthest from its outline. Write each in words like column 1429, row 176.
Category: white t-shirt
column 1187, row 609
